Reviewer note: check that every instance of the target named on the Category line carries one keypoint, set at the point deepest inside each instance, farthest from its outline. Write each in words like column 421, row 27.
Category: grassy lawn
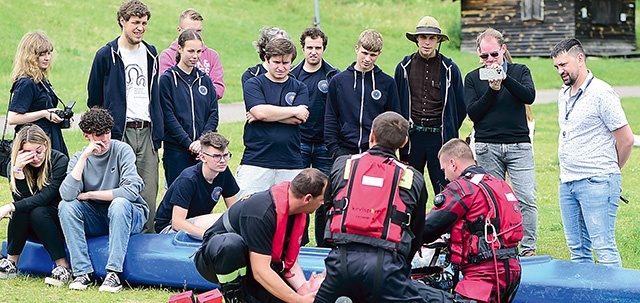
column 79, row 28
column 550, row 233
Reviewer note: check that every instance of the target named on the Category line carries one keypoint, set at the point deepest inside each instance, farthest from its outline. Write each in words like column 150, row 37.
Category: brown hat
column 427, row 26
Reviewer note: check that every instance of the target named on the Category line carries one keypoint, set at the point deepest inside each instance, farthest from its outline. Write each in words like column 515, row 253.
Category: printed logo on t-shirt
column 217, row 192
column 323, row 86
column 203, row 90
column 290, row 97
column 135, row 76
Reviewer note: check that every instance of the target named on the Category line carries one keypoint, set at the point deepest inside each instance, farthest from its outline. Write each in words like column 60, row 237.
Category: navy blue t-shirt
column 312, row 131
column 28, row 97
column 191, row 191
column 273, row 144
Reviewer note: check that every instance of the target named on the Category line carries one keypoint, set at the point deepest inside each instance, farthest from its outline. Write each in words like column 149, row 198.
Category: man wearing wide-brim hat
column 431, row 98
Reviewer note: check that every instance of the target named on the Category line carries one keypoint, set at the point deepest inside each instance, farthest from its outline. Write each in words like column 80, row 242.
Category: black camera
column 66, row 114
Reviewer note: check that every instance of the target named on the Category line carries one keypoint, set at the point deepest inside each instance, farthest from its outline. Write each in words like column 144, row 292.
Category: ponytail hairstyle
column 186, row 35
column 37, row 177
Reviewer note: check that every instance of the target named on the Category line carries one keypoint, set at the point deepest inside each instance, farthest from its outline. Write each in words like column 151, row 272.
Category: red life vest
column 283, row 258
column 488, row 229
column 369, row 209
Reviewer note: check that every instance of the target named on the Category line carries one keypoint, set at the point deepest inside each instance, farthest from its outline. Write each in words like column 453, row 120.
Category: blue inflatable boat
column 164, row 260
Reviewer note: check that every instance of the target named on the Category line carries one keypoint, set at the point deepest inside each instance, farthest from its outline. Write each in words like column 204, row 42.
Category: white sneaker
column 81, row 282
column 111, row 283
column 59, row 276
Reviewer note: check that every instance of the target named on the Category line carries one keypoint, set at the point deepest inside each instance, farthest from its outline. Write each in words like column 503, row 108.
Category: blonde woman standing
column 35, row 177
column 34, row 99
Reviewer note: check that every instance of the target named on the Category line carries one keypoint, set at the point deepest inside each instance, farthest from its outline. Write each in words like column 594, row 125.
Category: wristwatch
column 17, row 169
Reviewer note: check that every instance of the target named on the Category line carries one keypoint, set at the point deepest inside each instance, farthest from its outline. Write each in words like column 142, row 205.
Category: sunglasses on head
column 484, row 56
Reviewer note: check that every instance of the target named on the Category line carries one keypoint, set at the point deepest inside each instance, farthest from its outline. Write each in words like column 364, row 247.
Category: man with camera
column 431, row 98
column 124, row 80
column 496, row 95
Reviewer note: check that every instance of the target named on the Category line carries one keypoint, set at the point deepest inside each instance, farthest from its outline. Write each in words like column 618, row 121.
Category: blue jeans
column 119, row 220
column 516, row 159
column 589, row 208
column 316, row 155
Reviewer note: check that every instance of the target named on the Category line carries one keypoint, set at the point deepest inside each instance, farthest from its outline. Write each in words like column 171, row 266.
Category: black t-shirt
column 254, row 218
column 192, row 192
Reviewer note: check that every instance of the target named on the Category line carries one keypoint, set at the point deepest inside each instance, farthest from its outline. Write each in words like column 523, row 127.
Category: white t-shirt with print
column 136, row 78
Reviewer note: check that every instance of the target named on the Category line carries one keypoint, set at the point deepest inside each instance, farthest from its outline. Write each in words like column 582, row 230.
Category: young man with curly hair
column 100, row 196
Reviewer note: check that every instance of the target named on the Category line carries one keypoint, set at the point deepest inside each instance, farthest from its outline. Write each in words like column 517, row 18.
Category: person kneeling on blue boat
column 193, row 195
column 483, row 216
column 100, row 196
column 252, row 252
column 34, row 178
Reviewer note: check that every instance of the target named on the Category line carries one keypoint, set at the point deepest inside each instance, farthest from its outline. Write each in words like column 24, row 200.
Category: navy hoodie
column 454, row 107
column 107, row 88
column 351, row 107
column 190, row 107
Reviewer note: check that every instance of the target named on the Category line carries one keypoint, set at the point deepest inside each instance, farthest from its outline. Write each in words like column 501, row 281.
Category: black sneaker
column 8, row 269
column 59, row 276
column 111, row 283
column 81, row 282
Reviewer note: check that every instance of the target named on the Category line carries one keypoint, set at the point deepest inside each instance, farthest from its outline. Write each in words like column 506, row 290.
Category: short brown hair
column 314, row 33
column 390, row 129
column 308, row 181
column 214, row 139
column 280, row 47
column 96, row 121
column 133, row 8
column 370, row 40
column 456, row 148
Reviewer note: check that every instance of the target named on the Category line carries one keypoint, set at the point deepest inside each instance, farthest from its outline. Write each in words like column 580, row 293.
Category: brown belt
column 138, row 124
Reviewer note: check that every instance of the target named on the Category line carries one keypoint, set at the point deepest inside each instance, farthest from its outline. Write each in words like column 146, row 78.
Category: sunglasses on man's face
column 485, row 56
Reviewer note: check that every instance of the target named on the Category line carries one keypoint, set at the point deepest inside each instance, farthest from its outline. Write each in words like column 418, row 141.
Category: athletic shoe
column 81, row 282
column 111, row 283
column 59, row 276
column 8, row 269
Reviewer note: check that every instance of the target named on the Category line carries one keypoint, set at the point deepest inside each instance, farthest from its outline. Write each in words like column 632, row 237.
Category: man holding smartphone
column 502, row 143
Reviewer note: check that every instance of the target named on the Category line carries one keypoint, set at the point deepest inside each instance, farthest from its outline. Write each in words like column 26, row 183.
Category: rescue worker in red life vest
column 357, row 266
column 252, row 251
column 461, row 209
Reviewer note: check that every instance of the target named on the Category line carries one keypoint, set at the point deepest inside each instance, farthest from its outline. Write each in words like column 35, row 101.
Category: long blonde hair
column 25, row 63
column 31, row 133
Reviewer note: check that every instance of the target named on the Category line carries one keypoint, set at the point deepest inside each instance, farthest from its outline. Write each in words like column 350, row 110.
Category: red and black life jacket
column 494, row 228
column 285, row 250
column 369, row 209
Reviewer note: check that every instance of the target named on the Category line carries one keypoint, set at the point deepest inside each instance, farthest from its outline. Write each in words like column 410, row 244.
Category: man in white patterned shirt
column 595, row 142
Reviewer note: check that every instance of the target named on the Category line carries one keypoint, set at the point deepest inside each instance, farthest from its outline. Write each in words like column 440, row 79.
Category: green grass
column 79, row 28
column 550, row 242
